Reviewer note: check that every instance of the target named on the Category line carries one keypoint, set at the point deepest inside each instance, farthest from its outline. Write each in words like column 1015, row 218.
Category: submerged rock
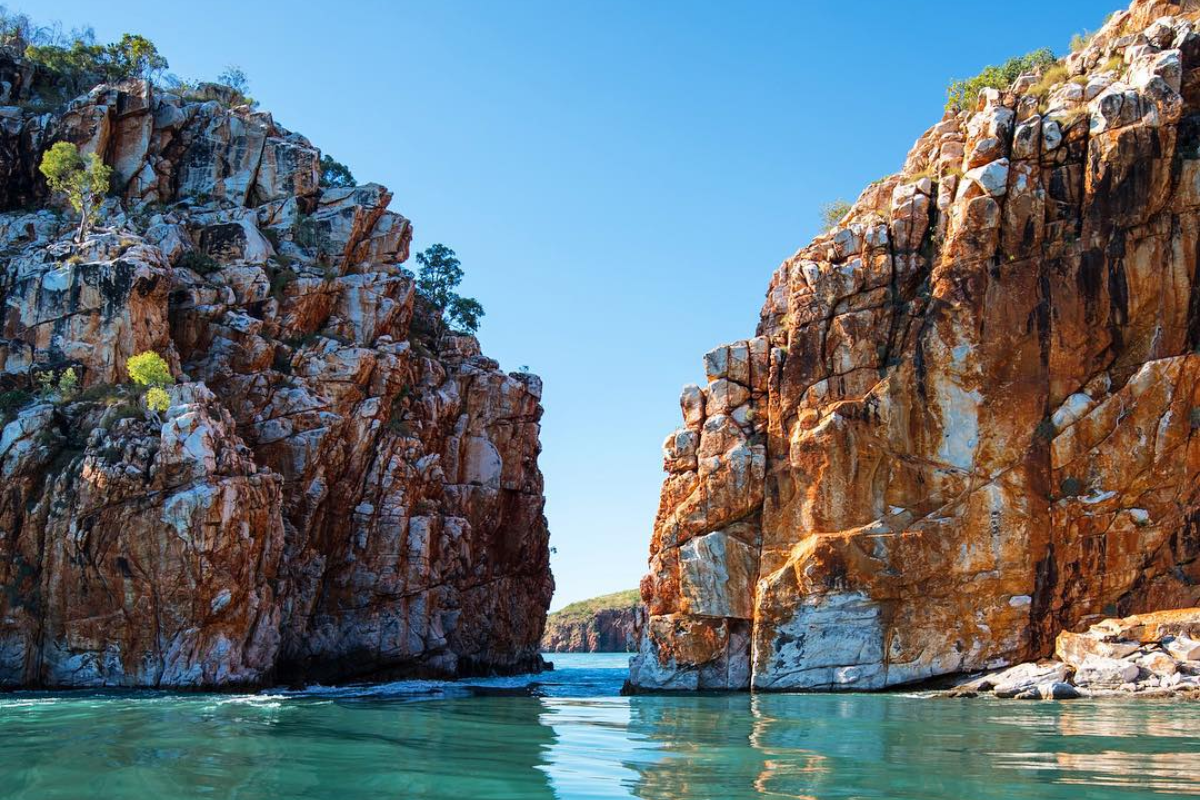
column 966, row 421
column 338, row 491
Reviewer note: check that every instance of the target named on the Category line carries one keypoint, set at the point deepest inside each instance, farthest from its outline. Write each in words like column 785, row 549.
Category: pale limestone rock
column 1104, row 672
column 1025, row 677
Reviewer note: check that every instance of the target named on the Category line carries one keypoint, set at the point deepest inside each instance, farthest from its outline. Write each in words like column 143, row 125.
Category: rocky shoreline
column 1147, row 655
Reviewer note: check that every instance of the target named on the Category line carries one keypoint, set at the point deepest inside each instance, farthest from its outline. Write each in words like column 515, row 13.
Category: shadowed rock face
column 338, row 490
column 968, row 419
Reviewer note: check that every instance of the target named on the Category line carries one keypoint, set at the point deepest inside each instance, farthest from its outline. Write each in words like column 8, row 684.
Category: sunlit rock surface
column 338, row 490
column 968, row 419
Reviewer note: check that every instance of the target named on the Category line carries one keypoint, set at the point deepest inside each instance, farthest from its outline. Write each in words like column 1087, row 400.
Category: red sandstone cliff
column 968, row 419
column 336, row 491
column 604, row 624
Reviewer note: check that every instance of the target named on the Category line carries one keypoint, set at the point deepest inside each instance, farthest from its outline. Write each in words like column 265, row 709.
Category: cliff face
column 602, row 625
column 968, row 419
column 336, row 492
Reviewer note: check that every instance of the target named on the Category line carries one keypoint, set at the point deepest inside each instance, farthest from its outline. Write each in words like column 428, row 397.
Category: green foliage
column 279, row 283
column 235, row 78
column 149, row 369
column 157, row 399
column 136, row 57
column 200, row 263
column 1051, row 77
column 305, row 232
column 68, row 384
column 441, row 273
column 11, row 402
column 586, row 609
column 82, row 181
column 464, row 314
column 78, row 61
column 832, row 213
column 961, row 95
column 58, row 387
column 335, row 174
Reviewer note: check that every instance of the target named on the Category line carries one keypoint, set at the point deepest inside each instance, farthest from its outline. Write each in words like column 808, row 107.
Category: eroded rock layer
column 968, row 419
column 338, row 490
column 604, row 624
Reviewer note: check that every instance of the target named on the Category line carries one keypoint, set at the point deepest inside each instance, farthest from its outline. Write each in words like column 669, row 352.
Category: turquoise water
column 567, row 734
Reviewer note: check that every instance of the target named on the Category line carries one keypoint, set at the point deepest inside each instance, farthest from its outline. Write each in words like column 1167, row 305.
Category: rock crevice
column 340, row 490
column 966, row 421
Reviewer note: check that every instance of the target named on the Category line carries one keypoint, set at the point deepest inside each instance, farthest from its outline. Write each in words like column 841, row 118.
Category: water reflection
column 416, row 741
column 798, row 746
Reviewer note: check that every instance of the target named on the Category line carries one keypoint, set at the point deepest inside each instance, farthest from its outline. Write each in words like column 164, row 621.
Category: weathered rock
column 1183, row 649
column 337, row 491
column 1109, row 672
column 1029, row 677
column 1103, row 662
column 972, row 424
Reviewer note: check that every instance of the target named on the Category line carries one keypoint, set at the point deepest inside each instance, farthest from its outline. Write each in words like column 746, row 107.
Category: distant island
column 602, row 624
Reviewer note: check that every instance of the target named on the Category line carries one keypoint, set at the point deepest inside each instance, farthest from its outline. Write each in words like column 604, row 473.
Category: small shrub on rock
column 199, row 263
column 335, row 174
column 157, row 399
column 832, row 213
column 149, row 369
column 961, row 95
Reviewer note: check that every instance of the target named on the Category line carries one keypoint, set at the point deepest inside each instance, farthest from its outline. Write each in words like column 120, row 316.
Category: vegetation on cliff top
column 441, row 273
column 586, row 609
column 961, row 94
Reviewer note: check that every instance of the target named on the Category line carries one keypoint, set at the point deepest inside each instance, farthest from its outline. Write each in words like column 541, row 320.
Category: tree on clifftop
column 136, row 56
column 441, row 273
column 83, row 181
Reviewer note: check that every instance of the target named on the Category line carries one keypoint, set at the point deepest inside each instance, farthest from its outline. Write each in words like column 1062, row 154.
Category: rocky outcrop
column 1151, row 655
column 604, row 624
column 968, row 419
column 338, row 491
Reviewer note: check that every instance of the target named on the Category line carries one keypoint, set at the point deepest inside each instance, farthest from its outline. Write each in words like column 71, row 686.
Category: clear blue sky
column 619, row 178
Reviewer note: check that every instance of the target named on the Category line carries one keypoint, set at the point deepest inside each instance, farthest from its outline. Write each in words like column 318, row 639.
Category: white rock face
column 1028, row 677
column 1105, row 672
column 834, row 642
column 717, row 574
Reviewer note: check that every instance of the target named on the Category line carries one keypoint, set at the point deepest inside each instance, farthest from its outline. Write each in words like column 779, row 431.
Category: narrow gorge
column 968, row 419
column 340, row 489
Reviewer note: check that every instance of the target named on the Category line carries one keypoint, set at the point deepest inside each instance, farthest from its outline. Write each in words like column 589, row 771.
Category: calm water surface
column 568, row 734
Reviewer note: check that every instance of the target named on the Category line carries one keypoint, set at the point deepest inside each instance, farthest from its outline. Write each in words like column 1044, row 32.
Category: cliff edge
column 968, row 420
column 339, row 489
column 604, row 624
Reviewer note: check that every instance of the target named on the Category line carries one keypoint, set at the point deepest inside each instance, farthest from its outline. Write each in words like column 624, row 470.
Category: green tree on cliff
column 135, row 57
column 151, row 370
column 335, row 174
column 441, row 273
column 82, row 180
column 78, row 61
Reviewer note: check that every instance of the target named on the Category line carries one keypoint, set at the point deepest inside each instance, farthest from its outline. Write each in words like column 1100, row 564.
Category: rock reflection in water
column 871, row 746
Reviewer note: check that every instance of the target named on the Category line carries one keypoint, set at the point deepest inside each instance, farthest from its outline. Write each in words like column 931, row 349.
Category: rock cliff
column 604, row 624
column 338, row 491
column 968, row 419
